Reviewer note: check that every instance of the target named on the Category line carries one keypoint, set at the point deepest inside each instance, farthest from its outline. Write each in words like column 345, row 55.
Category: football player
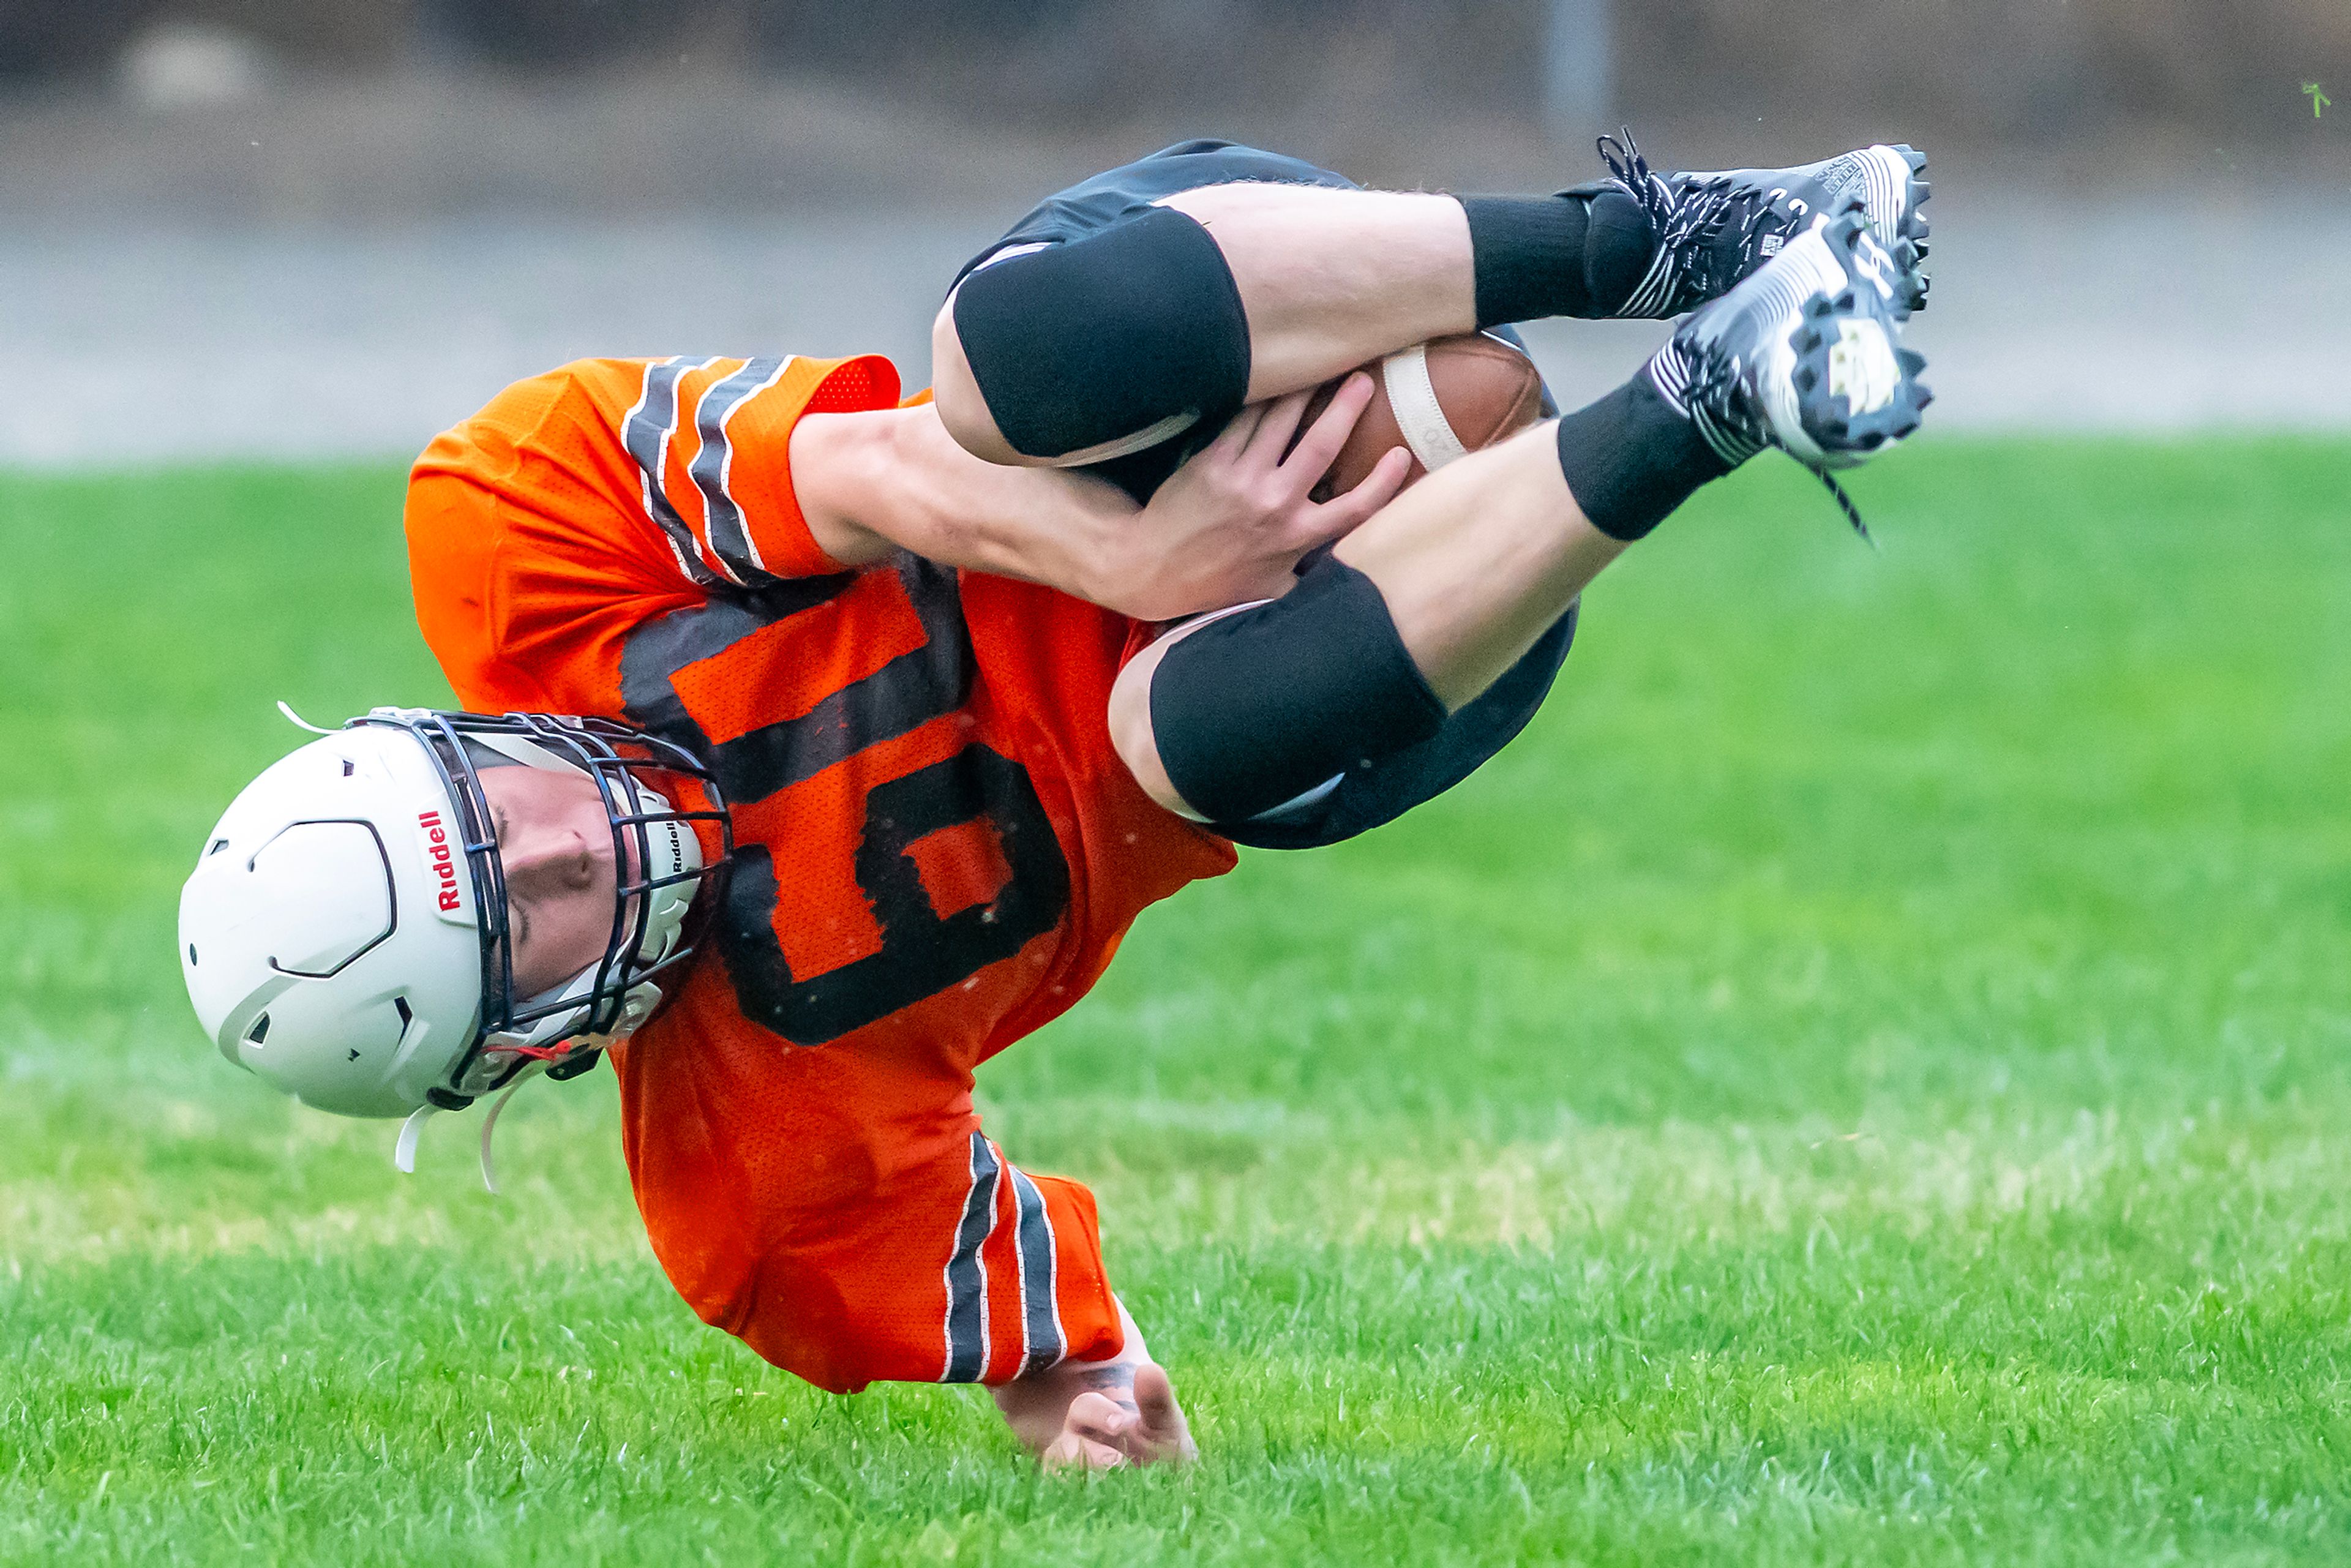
column 841, row 743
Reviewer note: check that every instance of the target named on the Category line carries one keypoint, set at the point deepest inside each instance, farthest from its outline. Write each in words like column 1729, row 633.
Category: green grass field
column 1865, row 1080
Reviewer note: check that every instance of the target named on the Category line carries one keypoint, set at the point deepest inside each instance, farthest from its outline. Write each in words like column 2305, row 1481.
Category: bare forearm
column 872, row 483
column 1043, row 526
column 1229, row 526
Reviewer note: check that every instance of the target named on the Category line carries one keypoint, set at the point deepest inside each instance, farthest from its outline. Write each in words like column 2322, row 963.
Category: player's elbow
column 1131, row 734
column 955, row 391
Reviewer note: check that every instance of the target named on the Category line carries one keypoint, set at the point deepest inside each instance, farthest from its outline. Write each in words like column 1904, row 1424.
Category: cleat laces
column 1705, row 231
column 1710, row 394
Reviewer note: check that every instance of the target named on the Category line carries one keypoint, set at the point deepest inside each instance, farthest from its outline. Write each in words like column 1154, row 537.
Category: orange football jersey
column 937, row 851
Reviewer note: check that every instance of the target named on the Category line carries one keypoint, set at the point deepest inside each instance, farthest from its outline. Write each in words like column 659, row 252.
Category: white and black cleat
column 1805, row 355
column 1716, row 228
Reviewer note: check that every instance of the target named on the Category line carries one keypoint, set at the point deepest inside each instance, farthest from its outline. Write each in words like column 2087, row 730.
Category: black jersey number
column 922, row 952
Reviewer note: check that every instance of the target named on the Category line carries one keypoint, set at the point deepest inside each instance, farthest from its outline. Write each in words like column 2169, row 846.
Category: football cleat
column 1714, row 229
column 1805, row 355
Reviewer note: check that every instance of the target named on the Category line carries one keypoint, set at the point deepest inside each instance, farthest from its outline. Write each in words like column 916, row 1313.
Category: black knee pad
column 1363, row 799
column 1080, row 346
column 1258, row 707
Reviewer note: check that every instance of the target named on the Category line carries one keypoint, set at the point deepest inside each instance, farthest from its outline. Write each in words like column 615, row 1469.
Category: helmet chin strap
column 298, row 721
column 490, row 1123
column 641, row 1001
column 403, row 1152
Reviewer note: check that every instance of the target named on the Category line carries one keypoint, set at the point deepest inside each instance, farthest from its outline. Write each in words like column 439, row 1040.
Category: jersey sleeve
column 711, row 440
column 842, row 1212
column 580, row 503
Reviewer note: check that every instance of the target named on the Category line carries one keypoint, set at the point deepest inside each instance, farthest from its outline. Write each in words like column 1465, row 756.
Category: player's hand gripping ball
column 1442, row 399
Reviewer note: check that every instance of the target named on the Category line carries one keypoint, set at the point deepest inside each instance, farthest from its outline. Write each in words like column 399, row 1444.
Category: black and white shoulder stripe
column 714, row 464
column 647, row 432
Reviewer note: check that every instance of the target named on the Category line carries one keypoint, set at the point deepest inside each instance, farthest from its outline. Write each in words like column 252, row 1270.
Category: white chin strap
column 403, row 1152
column 639, row 1005
column 490, row 1124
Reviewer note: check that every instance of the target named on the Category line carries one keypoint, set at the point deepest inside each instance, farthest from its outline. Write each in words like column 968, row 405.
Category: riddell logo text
column 445, row 867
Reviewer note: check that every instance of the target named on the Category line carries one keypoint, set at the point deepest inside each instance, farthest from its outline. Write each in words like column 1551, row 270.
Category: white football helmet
column 344, row 934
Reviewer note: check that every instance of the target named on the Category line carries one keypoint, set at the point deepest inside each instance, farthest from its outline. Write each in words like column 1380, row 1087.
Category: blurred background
column 302, row 228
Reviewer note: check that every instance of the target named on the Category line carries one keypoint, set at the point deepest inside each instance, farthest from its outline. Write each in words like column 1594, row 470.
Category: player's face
column 555, row 843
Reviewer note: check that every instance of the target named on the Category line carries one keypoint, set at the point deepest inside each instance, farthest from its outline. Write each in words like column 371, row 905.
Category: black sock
column 1576, row 254
column 1632, row 458
column 1619, row 243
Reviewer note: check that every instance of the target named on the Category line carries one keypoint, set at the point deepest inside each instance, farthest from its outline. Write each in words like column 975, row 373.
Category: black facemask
column 616, row 756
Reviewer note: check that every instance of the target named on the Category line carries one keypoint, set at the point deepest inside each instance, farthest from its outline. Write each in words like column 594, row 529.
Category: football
column 1441, row 399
